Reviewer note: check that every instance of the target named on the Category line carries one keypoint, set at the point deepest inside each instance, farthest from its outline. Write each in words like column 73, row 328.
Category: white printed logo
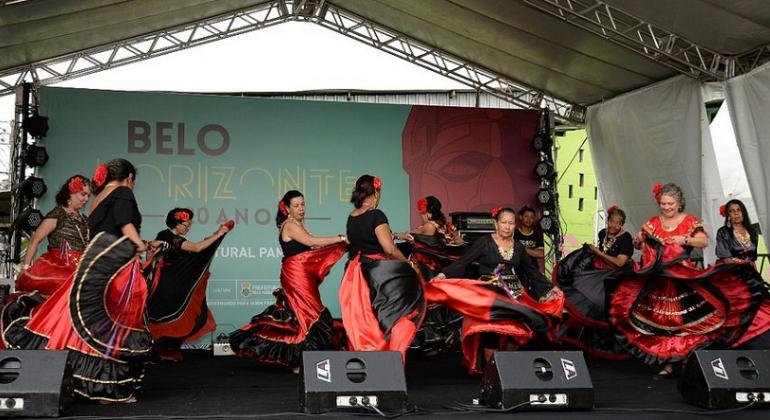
column 569, row 369
column 323, row 371
column 719, row 369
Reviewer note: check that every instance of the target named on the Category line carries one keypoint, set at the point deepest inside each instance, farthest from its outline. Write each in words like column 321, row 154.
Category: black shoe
column 666, row 372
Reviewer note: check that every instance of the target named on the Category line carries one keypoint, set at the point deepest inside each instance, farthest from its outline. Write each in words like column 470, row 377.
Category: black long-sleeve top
column 485, row 252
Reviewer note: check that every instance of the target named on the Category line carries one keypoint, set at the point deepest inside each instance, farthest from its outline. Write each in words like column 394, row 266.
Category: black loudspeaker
column 726, row 378
column 34, row 383
column 352, row 380
column 537, row 380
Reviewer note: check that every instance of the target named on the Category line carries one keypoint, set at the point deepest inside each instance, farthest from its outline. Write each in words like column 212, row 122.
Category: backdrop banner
column 233, row 158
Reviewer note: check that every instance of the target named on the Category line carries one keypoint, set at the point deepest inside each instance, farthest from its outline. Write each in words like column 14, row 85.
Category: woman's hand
column 638, row 240
column 439, row 276
column 593, row 249
column 552, row 294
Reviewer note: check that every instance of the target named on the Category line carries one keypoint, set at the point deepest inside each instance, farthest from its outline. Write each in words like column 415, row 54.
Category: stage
column 204, row 386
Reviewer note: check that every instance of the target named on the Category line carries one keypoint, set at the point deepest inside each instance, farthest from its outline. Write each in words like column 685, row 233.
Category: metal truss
column 278, row 11
column 660, row 45
column 434, row 59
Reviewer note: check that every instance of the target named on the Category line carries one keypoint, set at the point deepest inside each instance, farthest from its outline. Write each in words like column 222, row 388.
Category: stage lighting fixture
column 542, row 142
column 548, row 223
column 545, row 169
column 35, row 155
column 30, row 219
column 36, row 125
column 33, row 187
column 546, row 197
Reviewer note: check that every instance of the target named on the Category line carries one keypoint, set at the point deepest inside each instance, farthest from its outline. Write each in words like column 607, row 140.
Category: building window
column 581, row 180
column 580, row 155
column 580, row 204
column 596, row 193
column 570, row 191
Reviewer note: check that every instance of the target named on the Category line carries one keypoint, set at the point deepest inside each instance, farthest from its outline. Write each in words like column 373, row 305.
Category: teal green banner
column 232, row 158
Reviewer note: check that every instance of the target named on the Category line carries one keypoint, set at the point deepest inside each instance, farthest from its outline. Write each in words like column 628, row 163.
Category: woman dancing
column 586, row 275
column 298, row 321
column 512, row 303
column 176, row 309
column 68, row 234
column 99, row 313
column 669, row 307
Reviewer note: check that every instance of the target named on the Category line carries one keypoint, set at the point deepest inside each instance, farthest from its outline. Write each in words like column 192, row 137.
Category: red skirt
column 488, row 309
column 669, row 308
column 49, row 271
column 98, row 315
column 298, row 321
column 382, row 304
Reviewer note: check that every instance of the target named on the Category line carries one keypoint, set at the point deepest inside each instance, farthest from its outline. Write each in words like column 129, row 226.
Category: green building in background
column 577, row 189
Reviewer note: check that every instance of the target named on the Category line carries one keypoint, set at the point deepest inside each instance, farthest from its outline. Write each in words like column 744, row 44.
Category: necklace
column 77, row 219
column 302, row 225
column 744, row 239
column 506, row 253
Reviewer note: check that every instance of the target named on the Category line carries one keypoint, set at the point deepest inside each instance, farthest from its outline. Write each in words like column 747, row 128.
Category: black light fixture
column 35, row 155
column 546, row 197
column 36, row 125
column 545, row 169
column 33, row 187
column 30, row 219
column 549, row 224
column 542, row 142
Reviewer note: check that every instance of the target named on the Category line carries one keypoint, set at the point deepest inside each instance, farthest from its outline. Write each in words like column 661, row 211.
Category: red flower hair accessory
column 377, row 183
column 612, row 209
column 100, row 175
column 723, row 210
column 181, row 216
column 282, row 208
column 656, row 189
column 75, row 185
column 422, row 205
column 495, row 211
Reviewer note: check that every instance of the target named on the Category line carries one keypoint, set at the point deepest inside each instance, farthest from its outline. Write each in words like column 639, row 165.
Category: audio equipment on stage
column 726, row 378
column 472, row 225
column 34, row 383
column 537, row 380
column 352, row 380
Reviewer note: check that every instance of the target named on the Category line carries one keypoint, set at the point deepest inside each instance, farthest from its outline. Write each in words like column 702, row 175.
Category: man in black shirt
column 530, row 237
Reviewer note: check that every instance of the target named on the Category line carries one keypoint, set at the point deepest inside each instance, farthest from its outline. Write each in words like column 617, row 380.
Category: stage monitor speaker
column 537, row 380
column 352, row 380
column 34, row 383
column 726, row 378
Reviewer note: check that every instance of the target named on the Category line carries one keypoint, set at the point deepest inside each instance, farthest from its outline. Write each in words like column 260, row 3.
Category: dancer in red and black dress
column 67, row 231
column 509, row 306
column 298, row 321
column 436, row 245
column 381, row 296
column 670, row 307
column 586, row 276
column 99, row 313
column 176, row 309
column 737, row 240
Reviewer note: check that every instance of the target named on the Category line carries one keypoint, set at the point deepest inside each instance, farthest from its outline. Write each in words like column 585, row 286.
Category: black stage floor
column 204, row 386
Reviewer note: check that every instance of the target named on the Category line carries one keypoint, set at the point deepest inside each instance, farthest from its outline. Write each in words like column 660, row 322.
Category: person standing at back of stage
column 298, row 321
column 176, row 309
column 530, row 236
column 737, row 239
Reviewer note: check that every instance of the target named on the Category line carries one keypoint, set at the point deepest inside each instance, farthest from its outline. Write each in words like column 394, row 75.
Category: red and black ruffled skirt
column 587, row 283
column 99, row 316
column 669, row 308
column 298, row 321
column 487, row 308
column 176, row 308
column 382, row 303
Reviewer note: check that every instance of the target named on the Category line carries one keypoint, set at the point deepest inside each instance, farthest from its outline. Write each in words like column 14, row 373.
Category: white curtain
column 712, row 193
column 654, row 134
column 748, row 100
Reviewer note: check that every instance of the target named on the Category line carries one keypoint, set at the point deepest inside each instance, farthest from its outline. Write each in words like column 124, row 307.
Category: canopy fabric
column 508, row 37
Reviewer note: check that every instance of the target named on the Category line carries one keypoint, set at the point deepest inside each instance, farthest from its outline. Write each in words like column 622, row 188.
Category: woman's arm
column 42, row 231
column 386, row 242
column 457, row 268
column 190, row 246
column 295, row 232
column 723, row 243
column 425, row 229
column 618, row 261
